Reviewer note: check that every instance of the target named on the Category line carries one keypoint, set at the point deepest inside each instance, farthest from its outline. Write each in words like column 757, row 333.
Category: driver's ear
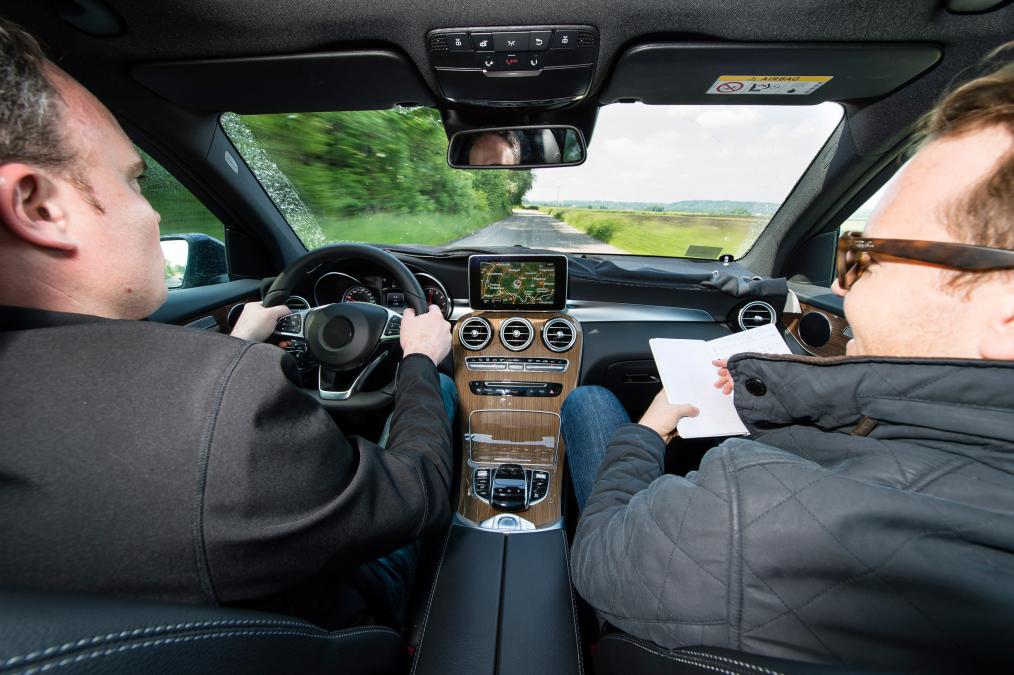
column 997, row 341
column 31, row 208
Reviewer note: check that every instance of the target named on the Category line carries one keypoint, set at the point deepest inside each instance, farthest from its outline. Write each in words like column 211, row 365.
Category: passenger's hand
column 662, row 416
column 256, row 322
column 724, row 378
column 428, row 334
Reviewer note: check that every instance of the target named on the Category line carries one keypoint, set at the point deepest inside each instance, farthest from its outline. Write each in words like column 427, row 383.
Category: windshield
column 676, row 181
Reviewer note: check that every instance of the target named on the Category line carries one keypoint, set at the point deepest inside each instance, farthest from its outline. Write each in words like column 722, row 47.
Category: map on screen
column 518, row 283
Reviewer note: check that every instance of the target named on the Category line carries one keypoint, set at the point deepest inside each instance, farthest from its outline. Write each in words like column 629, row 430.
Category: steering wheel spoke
column 349, row 341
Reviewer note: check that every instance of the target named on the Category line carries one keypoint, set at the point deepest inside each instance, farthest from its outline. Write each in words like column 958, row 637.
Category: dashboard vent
column 438, row 43
column 475, row 333
column 756, row 314
column 559, row 335
column 516, row 333
column 296, row 303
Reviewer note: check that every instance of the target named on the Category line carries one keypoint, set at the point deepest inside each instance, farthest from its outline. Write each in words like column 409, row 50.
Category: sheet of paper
column 689, row 377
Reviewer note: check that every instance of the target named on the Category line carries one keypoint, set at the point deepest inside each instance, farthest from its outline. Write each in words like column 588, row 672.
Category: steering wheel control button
column 393, row 328
column 458, row 42
column 510, row 42
column 564, row 39
column 756, row 387
column 482, row 42
column 292, row 323
column 538, row 40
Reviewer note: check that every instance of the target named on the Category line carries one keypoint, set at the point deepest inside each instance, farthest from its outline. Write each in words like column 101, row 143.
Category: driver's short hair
column 984, row 216
column 31, row 108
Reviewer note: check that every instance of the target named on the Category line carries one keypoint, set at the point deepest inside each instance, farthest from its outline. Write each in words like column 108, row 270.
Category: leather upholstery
column 621, row 654
column 64, row 633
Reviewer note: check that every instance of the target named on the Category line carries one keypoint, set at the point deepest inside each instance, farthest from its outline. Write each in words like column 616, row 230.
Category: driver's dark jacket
column 160, row 462
column 869, row 520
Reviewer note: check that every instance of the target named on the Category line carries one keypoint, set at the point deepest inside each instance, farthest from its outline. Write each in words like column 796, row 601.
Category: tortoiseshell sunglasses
column 856, row 253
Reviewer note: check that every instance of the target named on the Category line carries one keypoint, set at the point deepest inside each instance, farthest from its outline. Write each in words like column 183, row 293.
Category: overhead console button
column 482, row 42
column 538, row 40
column 564, row 39
column 458, row 42
column 510, row 42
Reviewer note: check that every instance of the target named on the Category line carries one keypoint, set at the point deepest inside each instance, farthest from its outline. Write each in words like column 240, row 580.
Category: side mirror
column 531, row 147
column 193, row 260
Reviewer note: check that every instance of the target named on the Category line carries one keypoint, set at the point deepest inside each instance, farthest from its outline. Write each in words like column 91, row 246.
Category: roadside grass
column 406, row 228
column 664, row 234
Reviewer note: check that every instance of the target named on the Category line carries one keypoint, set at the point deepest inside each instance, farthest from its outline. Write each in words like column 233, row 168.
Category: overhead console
column 514, row 66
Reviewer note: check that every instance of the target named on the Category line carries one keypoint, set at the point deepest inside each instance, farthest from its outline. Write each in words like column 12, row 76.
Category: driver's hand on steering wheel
column 428, row 334
column 256, row 322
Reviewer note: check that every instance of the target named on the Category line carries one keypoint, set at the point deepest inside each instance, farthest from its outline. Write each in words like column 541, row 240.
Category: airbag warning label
column 782, row 85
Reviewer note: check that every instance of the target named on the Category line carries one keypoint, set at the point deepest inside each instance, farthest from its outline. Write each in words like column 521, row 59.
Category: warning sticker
column 782, row 85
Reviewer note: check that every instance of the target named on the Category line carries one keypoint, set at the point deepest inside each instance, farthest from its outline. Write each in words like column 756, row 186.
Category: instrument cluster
column 378, row 289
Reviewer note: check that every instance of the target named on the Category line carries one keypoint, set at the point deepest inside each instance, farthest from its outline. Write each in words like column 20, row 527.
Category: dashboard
column 371, row 286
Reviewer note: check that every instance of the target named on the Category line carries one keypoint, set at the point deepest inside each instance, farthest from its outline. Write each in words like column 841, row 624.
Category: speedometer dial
column 435, row 296
column 360, row 294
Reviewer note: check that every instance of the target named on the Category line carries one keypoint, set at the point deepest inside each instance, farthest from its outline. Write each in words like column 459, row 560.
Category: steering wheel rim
column 281, row 288
column 352, row 354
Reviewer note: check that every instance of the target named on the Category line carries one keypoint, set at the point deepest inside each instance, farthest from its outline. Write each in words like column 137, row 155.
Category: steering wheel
column 348, row 340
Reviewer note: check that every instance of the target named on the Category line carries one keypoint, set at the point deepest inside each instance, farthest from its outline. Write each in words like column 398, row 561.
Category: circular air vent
column 756, row 314
column 296, row 303
column 475, row 333
column 814, row 329
column 516, row 333
column 559, row 334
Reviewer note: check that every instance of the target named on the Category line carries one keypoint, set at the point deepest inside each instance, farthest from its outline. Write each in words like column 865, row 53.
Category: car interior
column 205, row 90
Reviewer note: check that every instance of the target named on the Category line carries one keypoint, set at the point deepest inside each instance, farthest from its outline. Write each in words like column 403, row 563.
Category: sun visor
column 671, row 73
column 351, row 80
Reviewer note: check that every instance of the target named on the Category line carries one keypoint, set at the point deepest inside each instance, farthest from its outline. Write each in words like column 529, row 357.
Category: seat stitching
column 70, row 660
column 751, row 666
column 673, row 657
column 573, row 604
column 147, row 630
column 429, row 603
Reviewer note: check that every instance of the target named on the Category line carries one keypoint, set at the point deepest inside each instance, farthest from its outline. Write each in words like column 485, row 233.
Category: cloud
column 728, row 116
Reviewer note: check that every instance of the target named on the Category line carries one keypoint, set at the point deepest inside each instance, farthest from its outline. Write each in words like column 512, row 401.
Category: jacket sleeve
column 652, row 551
column 282, row 494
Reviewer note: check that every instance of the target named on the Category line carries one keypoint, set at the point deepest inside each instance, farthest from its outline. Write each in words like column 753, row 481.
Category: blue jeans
column 588, row 420
column 385, row 583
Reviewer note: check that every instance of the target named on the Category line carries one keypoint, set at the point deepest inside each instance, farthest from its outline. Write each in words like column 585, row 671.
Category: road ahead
column 534, row 229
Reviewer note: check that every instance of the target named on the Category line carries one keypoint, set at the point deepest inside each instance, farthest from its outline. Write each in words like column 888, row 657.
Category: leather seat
column 621, row 654
column 63, row 633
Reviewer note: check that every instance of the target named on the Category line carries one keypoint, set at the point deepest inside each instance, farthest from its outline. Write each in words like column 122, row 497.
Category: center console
column 517, row 357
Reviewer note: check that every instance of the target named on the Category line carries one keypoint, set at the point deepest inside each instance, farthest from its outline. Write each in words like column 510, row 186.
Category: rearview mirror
column 534, row 147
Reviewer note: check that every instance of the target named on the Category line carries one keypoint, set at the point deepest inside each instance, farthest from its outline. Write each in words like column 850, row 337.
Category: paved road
column 535, row 229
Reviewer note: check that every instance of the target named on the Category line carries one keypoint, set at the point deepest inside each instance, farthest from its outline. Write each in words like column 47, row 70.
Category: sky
column 664, row 154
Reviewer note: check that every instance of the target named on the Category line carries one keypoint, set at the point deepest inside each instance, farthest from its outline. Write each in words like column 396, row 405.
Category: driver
column 153, row 461
column 495, row 148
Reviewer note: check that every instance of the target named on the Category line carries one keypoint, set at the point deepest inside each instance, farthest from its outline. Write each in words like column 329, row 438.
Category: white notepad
column 689, row 377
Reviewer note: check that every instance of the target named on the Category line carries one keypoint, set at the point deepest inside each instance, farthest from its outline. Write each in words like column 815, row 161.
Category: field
column 666, row 234
column 405, row 228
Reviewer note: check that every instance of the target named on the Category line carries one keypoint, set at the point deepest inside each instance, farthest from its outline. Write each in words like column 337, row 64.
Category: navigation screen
column 537, row 282
column 518, row 283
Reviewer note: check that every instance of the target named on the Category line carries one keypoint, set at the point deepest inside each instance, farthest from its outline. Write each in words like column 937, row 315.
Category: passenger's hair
column 31, row 109
column 984, row 216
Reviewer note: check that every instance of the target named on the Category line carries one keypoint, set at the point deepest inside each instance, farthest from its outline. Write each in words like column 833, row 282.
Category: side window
column 192, row 238
column 857, row 221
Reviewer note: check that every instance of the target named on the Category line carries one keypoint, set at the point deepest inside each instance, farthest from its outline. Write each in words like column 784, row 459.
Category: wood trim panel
column 220, row 314
column 835, row 346
column 550, row 509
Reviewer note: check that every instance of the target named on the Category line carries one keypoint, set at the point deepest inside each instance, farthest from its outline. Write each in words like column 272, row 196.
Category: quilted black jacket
column 869, row 520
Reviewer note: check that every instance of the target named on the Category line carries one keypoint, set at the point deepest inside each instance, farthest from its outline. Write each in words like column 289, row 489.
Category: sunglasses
column 856, row 253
